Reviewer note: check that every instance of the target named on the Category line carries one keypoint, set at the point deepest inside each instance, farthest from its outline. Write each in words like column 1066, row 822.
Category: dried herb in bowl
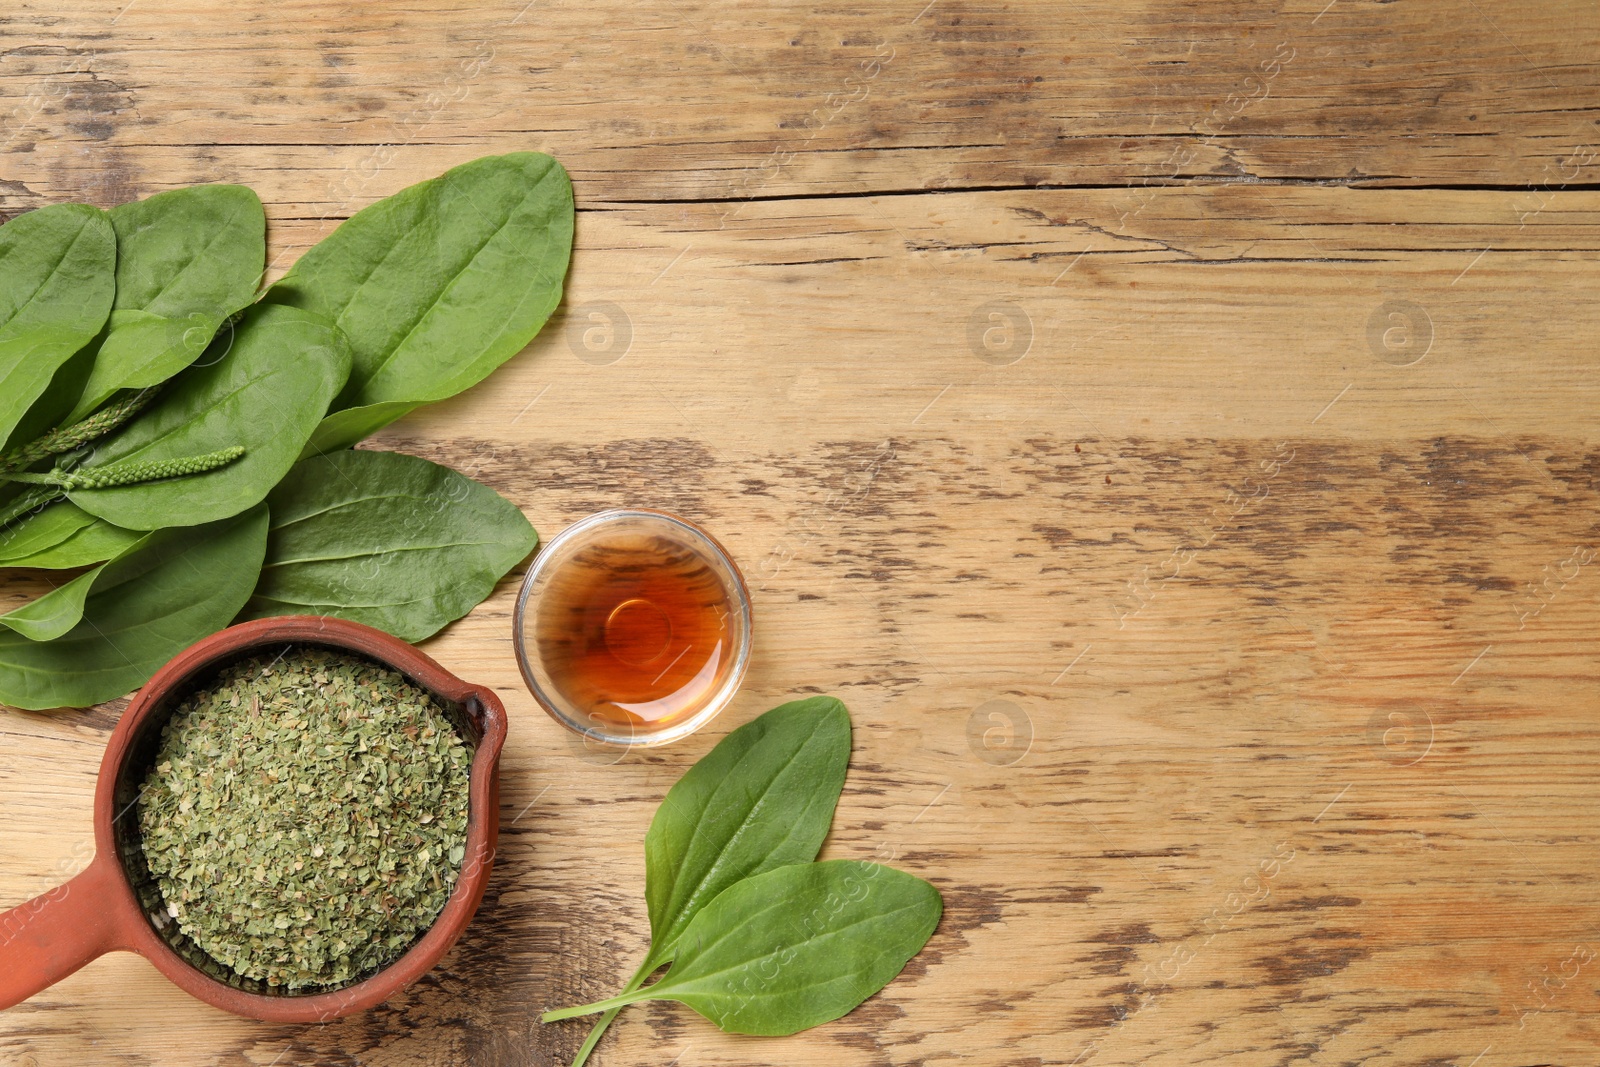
column 305, row 817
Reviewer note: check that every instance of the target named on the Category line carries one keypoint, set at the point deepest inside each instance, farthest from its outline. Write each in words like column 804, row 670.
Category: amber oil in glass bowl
column 633, row 627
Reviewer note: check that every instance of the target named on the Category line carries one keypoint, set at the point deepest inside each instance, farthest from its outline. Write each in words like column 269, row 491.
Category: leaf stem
column 619, row 1001
column 604, row 1022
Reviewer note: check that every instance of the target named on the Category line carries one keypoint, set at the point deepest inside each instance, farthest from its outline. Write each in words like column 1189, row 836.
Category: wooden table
column 1170, row 427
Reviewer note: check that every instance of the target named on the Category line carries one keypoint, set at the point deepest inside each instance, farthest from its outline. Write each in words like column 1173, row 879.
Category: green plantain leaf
column 139, row 349
column 389, row 540
column 795, row 947
column 57, row 281
column 346, row 427
column 48, row 617
column 200, row 248
column 772, row 786
column 437, row 285
column 146, row 607
column 39, row 374
column 61, row 536
column 762, row 798
column 263, row 386
column 186, row 260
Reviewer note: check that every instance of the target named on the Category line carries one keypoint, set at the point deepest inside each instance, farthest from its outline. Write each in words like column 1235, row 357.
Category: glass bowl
column 633, row 628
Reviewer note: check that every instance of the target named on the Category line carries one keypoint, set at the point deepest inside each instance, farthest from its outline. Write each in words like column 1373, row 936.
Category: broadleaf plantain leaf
column 385, row 539
column 57, row 282
column 186, row 260
column 437, row 285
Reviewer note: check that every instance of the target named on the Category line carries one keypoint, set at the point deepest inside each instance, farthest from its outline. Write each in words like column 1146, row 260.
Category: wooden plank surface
column 1194, row 499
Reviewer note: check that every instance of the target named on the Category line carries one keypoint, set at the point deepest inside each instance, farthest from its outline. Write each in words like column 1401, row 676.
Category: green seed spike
column 79, row 434
column 131, row 473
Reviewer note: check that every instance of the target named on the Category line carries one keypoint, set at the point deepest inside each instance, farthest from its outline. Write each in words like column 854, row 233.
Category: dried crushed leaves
column 306, row 816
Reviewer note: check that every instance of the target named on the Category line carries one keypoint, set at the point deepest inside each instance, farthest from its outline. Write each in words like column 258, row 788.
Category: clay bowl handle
column 47, row 938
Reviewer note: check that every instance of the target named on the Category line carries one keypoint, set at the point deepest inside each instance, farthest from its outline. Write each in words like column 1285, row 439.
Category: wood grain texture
column 1195, row 507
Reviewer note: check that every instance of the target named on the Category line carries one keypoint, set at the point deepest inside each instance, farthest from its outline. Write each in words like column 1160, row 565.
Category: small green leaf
column 439, row 284
column 140, row 349
column 57, row 282
column 145, row 608
column 795, row 947
column 49, row 409
column 389, row 540
column 62, row 536
column 37, row 370
column 762, row 798
column 341, row 429
column 262, row 386
column 48, row 617
column 186, row 260
column 200, row 248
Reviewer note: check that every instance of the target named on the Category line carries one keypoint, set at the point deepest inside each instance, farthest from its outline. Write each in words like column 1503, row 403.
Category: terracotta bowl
column 109, row 907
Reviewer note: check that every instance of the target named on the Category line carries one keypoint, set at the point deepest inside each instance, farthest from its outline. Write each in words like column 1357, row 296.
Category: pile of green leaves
column 760, row 938
column 188, row 440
